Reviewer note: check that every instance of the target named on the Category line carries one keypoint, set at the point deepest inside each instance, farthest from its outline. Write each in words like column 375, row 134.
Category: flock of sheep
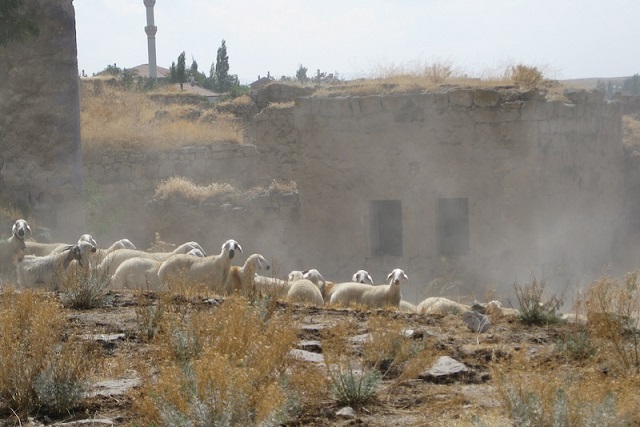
column 46, row 265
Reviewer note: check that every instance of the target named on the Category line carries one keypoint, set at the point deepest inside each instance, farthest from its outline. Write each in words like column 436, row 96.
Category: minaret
column 151, row 29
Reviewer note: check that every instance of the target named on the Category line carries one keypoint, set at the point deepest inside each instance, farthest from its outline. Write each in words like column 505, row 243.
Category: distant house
column 143, row 71
column 261, row 81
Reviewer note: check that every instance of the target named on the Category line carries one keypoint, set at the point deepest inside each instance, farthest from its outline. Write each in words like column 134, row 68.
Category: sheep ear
column 370, row 278
column 238, row 246
column 30, row 232
column 66, row 248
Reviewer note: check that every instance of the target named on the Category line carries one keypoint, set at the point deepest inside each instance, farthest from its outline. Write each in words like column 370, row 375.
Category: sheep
column 370, row 295
column 362, row 276
column 43, row 249
column 241, row 279
column 196, row 252
column 325, row 286
column 12, row 250
column 51, row 270
column 141, row 273
column 407, row 307
column 442, row 306
column 271, row 286
column 112, row 261
column 137, row 273
column 211, row 270
column 101, row 253
column 304, row 291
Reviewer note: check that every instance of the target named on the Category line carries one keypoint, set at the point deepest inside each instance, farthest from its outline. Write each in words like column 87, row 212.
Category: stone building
column 40, row 120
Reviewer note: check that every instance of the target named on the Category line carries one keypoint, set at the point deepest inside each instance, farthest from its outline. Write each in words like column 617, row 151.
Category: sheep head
column 73, row 253
column 395, row 276
column 295, row 275
column 362, row 276
column 20, row 229
column 229, row 247
column 87, row 238
column 258, row 261
column 196, row 252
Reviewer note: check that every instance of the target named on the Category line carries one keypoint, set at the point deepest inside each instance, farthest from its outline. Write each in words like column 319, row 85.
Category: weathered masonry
column 502, row 184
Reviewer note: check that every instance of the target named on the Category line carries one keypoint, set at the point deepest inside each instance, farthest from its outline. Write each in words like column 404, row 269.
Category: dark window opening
column 386, row 227
column 453, row 227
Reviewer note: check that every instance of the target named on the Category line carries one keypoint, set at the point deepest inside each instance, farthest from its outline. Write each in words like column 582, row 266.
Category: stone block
column 461, row 98
column 441, row 100
column 486, row 98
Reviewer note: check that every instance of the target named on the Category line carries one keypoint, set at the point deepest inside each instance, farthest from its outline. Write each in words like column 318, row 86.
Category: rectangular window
column 453, row 227
column 386, row 228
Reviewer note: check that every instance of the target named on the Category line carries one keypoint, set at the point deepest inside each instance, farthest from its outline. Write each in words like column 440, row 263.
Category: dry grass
column 422, row 77
column 38, row 369
column 224, row 367
column 122, row 120
column 185, row 189
column 631, row 135
column 612, row 309
column 560, row 395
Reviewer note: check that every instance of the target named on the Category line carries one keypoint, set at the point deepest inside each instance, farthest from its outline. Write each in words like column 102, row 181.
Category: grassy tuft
column 115, row 119
column 527, row 77
column 38, row 370
column 85, row 289
column 537, row 308
column 613, row 314
column 226, row 367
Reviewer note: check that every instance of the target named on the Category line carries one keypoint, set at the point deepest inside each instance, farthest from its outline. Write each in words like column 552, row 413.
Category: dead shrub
column 553, row 399
column 226, row 367
column 613, row 314
column 527, row 77
column 38, row 371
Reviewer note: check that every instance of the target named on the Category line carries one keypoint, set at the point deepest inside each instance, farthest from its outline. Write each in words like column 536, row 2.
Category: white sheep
column 213, row 271
column 101, row 253
column 442, row 306
column 325, row 286
column 112, row 261
column 304, row 291
column 372, row 296
column 141, row 273
column 137, row 273
column 12, row 250
column 270, row 286
column 407, row 307
column 196, row 252
column 51, row 270
column 43, row 249
column 241, row 279
column 362, row 276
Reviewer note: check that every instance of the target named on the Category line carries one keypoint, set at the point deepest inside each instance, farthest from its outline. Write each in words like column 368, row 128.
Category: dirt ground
column 420, row 401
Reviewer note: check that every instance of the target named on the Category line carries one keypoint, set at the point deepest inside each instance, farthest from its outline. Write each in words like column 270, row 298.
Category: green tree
column 221, row 74
column 301, row 74
column 15, row 25
column 181, row 72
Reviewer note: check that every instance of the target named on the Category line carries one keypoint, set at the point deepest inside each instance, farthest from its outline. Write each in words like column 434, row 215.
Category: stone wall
column 40, row 120
column 543, row 180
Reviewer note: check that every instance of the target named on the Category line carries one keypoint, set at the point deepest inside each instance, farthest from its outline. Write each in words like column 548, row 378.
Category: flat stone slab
column 116, row 387
column 307, row 356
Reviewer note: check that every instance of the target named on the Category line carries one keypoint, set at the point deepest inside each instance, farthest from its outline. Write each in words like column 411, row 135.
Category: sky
column 566, row 39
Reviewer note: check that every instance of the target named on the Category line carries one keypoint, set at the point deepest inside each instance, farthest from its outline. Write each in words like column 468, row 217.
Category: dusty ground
column 414, row 402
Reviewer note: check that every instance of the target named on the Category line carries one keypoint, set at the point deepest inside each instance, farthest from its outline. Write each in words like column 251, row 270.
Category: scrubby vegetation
column 204, row 360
